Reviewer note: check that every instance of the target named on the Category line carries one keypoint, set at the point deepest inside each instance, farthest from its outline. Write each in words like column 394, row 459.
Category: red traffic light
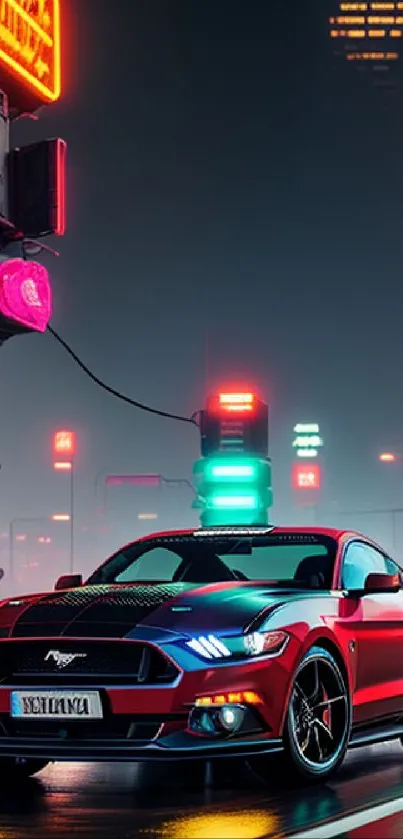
column 306, row 476
column 236, row 402
column 234, row 421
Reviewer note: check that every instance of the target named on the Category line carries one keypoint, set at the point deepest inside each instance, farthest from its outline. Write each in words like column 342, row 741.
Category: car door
column 376, row 625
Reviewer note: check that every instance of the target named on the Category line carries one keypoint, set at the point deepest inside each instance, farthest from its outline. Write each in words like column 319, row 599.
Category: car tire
column 317, row 725
column 316, row 734
column 19, row 768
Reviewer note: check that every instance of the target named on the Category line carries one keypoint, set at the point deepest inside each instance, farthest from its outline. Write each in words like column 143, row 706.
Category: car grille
column 97, row 663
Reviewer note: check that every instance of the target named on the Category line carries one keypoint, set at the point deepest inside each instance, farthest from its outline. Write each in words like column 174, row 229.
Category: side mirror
column 382, row 583
column 69, row 581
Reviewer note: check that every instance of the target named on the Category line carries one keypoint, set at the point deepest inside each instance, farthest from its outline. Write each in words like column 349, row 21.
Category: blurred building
column 368, row 37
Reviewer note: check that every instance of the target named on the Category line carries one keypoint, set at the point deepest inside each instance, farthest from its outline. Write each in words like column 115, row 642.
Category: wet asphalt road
column 109, row 801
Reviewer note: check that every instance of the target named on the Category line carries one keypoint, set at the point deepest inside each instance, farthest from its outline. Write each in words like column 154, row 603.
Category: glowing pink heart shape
column 25, row 293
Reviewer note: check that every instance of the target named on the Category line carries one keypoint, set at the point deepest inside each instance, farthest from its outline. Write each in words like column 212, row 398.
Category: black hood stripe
column 59, row 613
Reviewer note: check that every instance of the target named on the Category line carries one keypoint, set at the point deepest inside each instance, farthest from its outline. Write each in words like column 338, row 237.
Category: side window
column 361, row 560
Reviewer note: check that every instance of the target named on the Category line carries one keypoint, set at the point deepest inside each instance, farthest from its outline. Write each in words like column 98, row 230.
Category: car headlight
column 208, row 646
column 265, row 643
column 253, row 644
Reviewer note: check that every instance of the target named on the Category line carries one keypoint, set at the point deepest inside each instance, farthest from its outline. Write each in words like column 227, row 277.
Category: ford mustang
column 221, row 642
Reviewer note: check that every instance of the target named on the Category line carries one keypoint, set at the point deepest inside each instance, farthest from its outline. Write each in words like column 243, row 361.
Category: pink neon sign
column 25, row 293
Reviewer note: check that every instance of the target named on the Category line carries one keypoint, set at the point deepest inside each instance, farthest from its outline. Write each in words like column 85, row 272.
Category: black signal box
column 36, row 188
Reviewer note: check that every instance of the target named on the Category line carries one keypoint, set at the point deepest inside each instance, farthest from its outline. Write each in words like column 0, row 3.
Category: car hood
column 119, row 610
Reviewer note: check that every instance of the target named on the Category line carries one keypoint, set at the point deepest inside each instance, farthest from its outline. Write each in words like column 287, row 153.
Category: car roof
column 329, row 532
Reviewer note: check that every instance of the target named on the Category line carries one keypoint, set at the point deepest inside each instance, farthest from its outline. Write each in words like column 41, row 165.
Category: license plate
column 56, row 704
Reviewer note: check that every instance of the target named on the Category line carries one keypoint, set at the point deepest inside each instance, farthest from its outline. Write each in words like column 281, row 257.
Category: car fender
column 319, row 637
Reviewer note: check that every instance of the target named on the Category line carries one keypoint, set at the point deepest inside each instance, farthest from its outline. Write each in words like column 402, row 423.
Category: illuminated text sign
column 30, row 45
column 306, row 477
column 64, row 442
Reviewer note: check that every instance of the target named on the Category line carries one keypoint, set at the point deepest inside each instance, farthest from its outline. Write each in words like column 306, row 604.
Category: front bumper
column 118, row 750
column 149, row 723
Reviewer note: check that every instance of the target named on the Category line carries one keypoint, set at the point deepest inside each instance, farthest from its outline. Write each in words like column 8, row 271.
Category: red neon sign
column 25, row 293
column 30, row 45
column 133, row 480
column 306, row 476
column 60, row 209
column 63, row 466
column 64, row 442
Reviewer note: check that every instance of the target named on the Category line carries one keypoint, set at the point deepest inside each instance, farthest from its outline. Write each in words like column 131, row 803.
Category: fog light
column 204, row 722
column 231, row 717
column 217, row 722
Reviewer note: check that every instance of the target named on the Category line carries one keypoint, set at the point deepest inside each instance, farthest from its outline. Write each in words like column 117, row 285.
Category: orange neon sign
column 30, row 45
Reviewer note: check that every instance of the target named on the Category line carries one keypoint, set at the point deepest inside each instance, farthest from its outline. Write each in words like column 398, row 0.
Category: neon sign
column 30, row 45
column 64, row 442
column 25, row 293
column 306, row 477
column 308, row 440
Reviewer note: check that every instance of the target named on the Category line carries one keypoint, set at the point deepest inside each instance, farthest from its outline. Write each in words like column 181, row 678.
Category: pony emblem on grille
column 63, row 659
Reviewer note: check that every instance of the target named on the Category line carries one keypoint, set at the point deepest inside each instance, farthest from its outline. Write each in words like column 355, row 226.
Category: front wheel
column 318, row 723
column 318, row 720
column 14, row 768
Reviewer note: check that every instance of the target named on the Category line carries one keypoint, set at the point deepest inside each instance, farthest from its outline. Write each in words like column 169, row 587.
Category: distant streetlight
column 389, row 457
column 61, row 517
column 19, row 537
column 64, row 452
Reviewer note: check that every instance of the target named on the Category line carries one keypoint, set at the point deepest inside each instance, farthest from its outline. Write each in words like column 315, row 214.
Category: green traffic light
column 227, row 470
column 233, row 471
column 234, row 501
column 233, row 489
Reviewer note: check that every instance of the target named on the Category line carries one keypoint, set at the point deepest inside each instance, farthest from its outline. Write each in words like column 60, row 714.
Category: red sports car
column 206, row 644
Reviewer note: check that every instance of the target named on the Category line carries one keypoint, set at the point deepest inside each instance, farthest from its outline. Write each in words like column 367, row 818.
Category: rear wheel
column 19, row 768
column 318, row 721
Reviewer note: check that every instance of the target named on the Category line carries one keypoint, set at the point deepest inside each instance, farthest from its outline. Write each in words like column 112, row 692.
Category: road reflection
column 242, row 824
column 112, row 800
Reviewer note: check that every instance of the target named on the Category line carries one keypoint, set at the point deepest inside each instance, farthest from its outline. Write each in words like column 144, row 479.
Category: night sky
column 235, row 209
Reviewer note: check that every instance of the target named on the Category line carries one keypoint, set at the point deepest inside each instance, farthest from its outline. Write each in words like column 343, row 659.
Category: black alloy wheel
column 318, row 722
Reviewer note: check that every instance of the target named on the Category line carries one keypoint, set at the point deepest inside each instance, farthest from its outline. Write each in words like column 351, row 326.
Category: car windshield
column 304, row 561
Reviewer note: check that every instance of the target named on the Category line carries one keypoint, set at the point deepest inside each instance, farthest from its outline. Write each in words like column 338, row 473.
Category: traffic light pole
column 72, row 516
column 4, row 150
column 9, row 245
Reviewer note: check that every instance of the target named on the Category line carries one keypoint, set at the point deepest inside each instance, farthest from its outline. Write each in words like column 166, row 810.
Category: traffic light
column 234, row 422
column 233, row 477
column 233, row 490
